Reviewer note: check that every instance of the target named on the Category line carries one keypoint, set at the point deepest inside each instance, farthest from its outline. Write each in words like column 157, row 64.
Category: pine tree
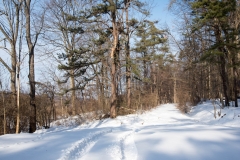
column 214, row 17
column 72, row 22
column 151, row 41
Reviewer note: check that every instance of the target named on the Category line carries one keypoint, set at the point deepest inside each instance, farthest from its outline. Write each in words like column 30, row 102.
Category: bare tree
column 31, row 42
column 9, row 27
column 64, row 33
column 18, row 75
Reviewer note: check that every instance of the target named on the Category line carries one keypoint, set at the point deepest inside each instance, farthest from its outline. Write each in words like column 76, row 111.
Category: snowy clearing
column 162, row 133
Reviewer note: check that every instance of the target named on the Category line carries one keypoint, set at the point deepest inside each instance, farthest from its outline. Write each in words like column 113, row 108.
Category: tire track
column 81, row 147
column 124, row 148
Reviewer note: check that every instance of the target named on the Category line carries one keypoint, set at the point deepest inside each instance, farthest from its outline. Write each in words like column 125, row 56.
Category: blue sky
column 158, row 12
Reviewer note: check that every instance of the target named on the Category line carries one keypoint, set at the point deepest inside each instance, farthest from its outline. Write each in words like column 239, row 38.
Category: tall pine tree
column 213, row 16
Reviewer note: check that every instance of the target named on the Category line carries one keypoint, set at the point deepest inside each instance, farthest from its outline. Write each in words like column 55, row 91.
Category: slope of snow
column 162, row 133
column 229, row 116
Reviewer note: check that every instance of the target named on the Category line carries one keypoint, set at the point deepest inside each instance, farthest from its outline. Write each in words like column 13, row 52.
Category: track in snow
column 124, row 148
column 81, row 147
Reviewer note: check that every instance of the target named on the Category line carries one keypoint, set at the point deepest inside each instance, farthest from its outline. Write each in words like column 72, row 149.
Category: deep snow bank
column 204, row 113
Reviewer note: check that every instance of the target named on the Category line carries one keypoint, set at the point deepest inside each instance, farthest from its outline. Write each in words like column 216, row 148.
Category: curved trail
column 165, row 130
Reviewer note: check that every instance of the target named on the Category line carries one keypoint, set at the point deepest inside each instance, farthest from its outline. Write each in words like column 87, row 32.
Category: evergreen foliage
column 150, row 42
column 213, row 26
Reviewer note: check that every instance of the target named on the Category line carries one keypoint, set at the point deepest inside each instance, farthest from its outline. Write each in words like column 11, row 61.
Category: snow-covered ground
column 162, row 133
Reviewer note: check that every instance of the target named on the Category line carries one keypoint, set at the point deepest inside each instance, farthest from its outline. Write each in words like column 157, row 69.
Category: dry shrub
column 140, row 102
column 184, row 103
column 125, row 111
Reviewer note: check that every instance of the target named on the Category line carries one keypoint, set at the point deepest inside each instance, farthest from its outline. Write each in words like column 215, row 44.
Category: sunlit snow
column 162, row 133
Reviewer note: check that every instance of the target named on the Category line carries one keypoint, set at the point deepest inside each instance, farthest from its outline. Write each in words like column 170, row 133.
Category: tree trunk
column 9, row 29
column 113, row 56
column 235, row 76
column 222, row 65
column 113, row 90
column 236, row 55
column 31, row 76
column 224, row 80
column 4, row 112
column 174, row 88
column 128, row 64
column 235, row 86
column 18, row 80
column 18, row 99
column 73, row 96
column 4, row 121
column 62, row 104
column 209, row 82
column 13, row 74
column 13, row 77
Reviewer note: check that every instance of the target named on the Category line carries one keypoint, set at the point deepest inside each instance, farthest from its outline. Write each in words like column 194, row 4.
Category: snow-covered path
column 163, row 133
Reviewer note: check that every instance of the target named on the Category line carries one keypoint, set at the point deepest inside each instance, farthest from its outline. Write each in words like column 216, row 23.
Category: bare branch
column 5, row 65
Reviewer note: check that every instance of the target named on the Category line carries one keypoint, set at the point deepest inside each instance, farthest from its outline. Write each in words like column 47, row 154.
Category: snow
column 162, row 133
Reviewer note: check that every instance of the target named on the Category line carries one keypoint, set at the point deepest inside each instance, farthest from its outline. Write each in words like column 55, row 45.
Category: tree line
column 113, row 59
column 209, row 48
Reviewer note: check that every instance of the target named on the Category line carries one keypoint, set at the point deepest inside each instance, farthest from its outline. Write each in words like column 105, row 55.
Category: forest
column 108, row 58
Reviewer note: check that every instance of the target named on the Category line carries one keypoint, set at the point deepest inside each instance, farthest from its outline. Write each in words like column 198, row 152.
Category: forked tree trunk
column 31, row 76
